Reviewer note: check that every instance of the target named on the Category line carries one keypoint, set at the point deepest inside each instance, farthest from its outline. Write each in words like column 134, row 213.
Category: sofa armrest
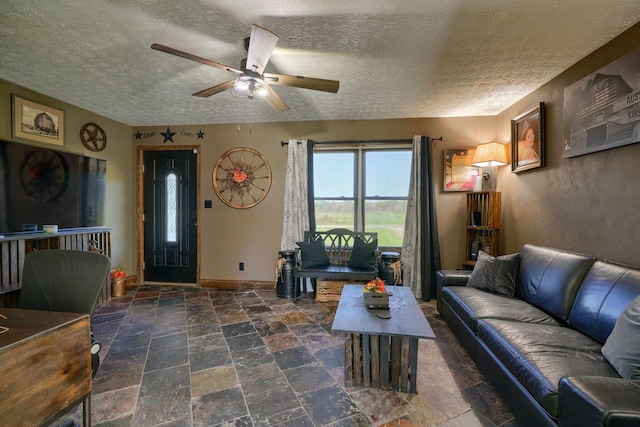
column 599, row 401
column 449, row 278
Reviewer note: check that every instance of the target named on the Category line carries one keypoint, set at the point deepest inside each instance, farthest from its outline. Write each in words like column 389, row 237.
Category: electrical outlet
column 241, row 266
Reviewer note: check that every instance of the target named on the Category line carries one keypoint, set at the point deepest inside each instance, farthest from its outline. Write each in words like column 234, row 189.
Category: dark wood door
column 170, row 216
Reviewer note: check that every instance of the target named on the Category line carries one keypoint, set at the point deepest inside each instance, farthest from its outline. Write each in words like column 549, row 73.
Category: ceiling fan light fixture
column 249, row 87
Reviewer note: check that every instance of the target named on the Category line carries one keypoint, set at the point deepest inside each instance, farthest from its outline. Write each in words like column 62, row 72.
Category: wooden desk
column 381, row 353
column 45, row 365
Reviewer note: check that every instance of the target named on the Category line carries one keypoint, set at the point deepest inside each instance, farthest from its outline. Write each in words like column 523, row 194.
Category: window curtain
column 420, row 246
column 4, row 211
column 295, row 220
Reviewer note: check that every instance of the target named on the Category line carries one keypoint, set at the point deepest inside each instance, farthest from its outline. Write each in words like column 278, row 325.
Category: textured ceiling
column 394, row 59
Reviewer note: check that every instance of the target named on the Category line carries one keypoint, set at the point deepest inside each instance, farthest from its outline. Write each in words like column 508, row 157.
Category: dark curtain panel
column 311, row 196
column 420, row 247
column 430, row 239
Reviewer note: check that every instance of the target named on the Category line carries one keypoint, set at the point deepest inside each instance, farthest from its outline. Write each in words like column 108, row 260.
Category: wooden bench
column 339, row 246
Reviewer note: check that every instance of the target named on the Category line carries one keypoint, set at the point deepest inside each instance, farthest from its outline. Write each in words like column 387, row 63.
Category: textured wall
column 588, row 203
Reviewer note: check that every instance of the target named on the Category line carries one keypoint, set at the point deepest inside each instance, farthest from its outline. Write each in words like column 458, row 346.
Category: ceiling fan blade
column 215, row 89
column 323, row 85
column 192, row 57
column 275, row 101
column 261, row 44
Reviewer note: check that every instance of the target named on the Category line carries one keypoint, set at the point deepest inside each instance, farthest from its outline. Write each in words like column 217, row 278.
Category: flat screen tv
column 41, row 186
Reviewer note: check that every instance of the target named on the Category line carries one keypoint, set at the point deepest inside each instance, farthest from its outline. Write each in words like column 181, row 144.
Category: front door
column 170, row 216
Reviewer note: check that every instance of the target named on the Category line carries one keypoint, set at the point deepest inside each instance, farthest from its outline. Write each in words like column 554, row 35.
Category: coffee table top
column 407, row 319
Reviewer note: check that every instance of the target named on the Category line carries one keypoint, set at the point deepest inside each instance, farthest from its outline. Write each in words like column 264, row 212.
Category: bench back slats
column 339, row 242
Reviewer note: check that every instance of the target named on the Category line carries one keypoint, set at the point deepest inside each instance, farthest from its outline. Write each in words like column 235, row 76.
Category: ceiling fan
column 251, row 80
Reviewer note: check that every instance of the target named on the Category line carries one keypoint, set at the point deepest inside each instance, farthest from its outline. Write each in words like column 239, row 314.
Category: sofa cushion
column 314, row 254
column 539, row 355
column 363, row 255
column 471, row 304
column 602, row 297
column 497, row 275
column 622, row 348
column 549, row 278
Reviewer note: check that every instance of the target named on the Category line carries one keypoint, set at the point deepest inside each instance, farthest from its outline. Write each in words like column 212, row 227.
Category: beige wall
column 252, row 236
column 120, row 212
column 587, row 204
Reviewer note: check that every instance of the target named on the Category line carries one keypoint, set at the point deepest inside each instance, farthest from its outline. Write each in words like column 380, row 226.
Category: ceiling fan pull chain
column 238, row 115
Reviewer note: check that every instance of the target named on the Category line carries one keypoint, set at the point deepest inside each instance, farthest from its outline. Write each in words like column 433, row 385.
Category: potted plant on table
column 375, row 285
column 375, row 294
column 118, row 283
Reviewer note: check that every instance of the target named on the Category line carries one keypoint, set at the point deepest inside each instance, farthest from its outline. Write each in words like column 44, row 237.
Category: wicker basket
column 330, row 290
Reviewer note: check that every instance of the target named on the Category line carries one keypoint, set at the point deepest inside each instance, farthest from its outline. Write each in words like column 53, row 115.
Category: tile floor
column 185, row 356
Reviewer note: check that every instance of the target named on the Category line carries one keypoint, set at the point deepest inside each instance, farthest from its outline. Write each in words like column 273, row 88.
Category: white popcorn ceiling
column 394, row 59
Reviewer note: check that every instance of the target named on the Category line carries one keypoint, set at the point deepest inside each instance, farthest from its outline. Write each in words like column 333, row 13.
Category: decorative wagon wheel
column 242, row 177
column 44, row 175
column 93, row 137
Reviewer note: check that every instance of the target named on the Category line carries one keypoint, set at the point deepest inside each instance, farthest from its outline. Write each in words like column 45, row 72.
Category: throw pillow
column 622, row 348
column 495, row 274
column 314, row 254
column 363, row 255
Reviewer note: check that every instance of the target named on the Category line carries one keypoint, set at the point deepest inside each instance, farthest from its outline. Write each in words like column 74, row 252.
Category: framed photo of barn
column 36, row 122
column 602, row 110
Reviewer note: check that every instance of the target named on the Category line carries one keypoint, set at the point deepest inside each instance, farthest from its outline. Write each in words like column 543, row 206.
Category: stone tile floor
column 186, row 356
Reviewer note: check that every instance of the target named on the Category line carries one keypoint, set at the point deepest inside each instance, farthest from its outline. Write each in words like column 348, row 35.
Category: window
column 363, row 189
column 172, row 207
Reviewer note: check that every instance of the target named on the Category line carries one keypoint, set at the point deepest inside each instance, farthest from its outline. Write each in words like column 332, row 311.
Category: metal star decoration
column 168, row 136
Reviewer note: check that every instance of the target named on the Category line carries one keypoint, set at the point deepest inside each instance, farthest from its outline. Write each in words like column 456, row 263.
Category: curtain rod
column 360, row 141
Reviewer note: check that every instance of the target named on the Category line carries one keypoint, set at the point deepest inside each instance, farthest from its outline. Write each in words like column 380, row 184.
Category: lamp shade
column 490, row 154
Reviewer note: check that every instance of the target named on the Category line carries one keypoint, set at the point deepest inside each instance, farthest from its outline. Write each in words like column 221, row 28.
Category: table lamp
column 489, row 156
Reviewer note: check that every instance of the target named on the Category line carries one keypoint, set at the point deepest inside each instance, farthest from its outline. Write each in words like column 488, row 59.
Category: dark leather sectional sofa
column 541, row 348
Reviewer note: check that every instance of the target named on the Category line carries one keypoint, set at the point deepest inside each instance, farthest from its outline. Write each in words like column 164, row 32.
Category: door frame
column 140, row 204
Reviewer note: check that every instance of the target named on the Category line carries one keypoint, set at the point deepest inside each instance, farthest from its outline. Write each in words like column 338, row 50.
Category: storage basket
column 330, row 290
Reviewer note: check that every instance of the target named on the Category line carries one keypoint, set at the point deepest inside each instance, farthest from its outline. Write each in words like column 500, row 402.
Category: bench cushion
column 314, row 254
column 337, row 272
column 363, row 255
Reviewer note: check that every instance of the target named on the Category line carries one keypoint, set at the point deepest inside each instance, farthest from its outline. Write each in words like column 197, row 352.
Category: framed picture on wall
column 602, row 110
column 459, row 173
column 528, row 140
column 36, row 122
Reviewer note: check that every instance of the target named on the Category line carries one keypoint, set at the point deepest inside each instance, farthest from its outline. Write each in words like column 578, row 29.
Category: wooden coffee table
column 379, row 352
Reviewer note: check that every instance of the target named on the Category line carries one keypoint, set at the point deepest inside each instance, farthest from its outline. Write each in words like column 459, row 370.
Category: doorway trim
column 140, row 204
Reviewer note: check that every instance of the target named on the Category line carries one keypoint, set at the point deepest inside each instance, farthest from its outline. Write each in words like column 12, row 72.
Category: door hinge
column 144, row 265
column 142, row 168
column 143, row 218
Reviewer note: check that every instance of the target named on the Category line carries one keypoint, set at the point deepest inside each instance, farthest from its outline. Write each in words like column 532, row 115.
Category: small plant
column 118, row 274
column 375, row 285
